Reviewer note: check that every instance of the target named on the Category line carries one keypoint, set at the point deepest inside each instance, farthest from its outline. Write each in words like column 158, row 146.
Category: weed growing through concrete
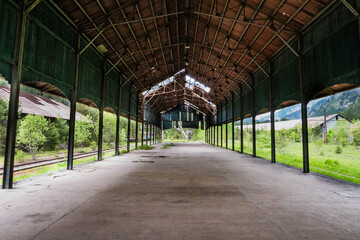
column 167, row 145
column 145, row 147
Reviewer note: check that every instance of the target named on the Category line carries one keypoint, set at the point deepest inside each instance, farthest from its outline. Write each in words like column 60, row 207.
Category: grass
column 323, row 160
column 145, row 147
column 167, row 145
column 21, row 175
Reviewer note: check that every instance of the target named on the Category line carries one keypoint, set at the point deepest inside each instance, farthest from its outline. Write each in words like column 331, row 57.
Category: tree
column 63, row 128
column 341, row 130
column 52, row 137
column 356, row 134
column 4, row 108
column 109, row 130
column 31, row 133
column 83, row 131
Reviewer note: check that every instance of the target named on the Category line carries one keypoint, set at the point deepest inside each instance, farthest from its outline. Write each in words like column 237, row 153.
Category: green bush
column 338, row 150
column 4, row 107
column 93, row 145
column 145, row 147
column 332, row 162
column 83, row 132
column 318, row 144
column 356, row 134
column 31, row 135
column 52, row 137
column 167, row 145
column 105, row 146
column 20, row 156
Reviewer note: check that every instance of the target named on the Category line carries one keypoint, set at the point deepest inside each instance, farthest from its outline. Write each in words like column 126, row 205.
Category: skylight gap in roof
column 159, row 85
column 191, row 82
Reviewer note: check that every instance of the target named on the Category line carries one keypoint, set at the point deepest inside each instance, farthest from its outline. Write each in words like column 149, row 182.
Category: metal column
column 213, row 132
column 150, row 136
column 272, row 117
column 153, row 132
column 304, row 128
column 253, row 115
column 14, row 99
column 117, row 137
column 73, row 98
column 147, row 125
column 101, row 110
column 233, row 121
column 206, row 137
column 129, row 125
column 213, row 135
column 147, row 132
column 241, row 123
column 142, row 133
column 221, row 125
column 217, row 134
column 226, row 125
column 137, row 121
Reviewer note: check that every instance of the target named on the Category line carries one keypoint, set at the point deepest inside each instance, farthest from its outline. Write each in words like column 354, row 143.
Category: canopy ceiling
column 217, row 42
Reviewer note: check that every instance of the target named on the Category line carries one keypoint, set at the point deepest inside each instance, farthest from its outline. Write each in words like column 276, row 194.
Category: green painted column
column 241, row 122
column 73, row 99
column 117, row 139
column 101, row 110
column 233, row 121
column 217, row 134
column 304, row 127
column 221, row 126
column 137, row 121
column 253, row 115
column 272, row 116
column 14, row 98
column 129, row 123
column 226, row 125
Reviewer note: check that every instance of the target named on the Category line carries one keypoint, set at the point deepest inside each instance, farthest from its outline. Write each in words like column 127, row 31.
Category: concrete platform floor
column 189, row 191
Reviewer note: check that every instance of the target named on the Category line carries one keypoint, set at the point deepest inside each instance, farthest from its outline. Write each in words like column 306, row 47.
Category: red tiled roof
column 38, row 105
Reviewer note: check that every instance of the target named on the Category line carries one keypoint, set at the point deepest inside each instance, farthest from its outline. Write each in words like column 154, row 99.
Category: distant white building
column 312, row 122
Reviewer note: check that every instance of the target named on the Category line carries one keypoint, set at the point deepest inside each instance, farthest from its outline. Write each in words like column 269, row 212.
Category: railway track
column 45, row 162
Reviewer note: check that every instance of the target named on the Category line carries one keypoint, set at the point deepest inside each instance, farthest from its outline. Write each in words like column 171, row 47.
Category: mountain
column 346, row 103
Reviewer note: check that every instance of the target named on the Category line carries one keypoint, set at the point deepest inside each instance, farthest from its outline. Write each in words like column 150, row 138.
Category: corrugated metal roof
column 38, row 105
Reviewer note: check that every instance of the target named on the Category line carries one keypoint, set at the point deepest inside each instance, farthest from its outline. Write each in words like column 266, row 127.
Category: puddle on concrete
column 159, row 156
column 141, row 161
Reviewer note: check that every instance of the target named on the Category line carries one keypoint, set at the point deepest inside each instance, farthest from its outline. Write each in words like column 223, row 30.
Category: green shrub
column 93, row 145
column 318, row 144
column 145, row 147
column 105, row 146
column 167, row 145
column 20, row 156
column 31, row 135
column 338, row 150
column 356, row 135
column 322, row 153
column 332, row 162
